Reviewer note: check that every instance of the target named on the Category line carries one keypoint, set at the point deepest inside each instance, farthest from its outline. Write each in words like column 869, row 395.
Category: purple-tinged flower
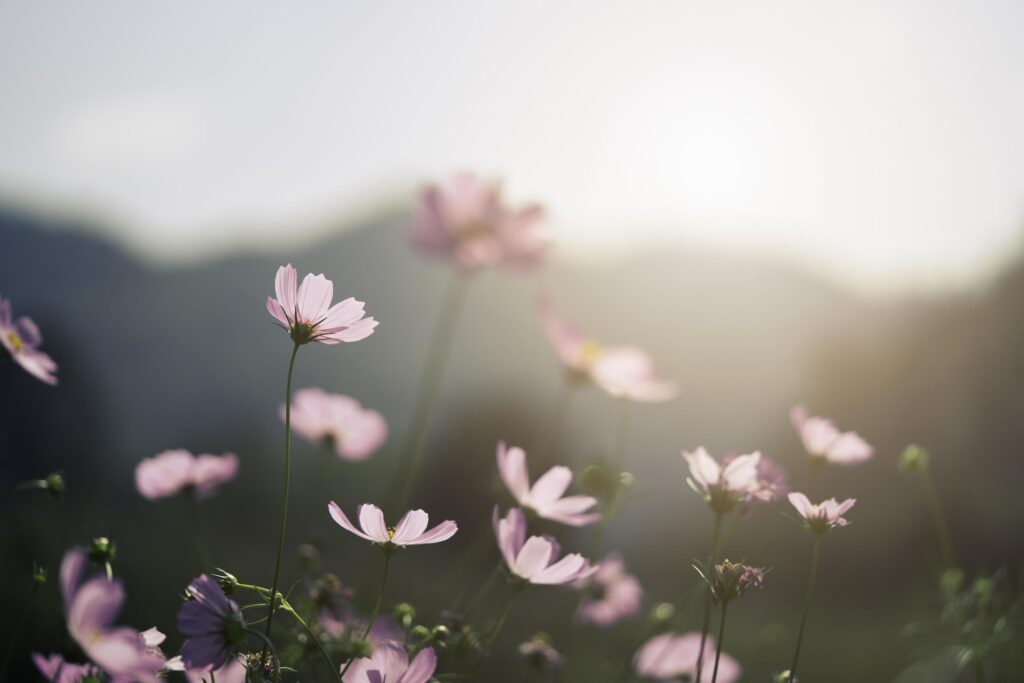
column 730, row 580
column 352, row 431
column 389, row 663
column 622, row 371
column 307, row 315
column 672, row 657
column 232, row 672
column 724, row 486
column 545, row 497
column 55, row 670
column 820, row 517
column 465, row 221
column 822, row 439
column 22, row 339
column 171, row 472
column 212, row 624
column 410, row 530
column 611, row 594
column 540, row 654
column 535, row 560
column 90, row 609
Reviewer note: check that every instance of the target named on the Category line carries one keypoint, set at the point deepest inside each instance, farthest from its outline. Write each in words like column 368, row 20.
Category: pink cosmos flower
column 821, row 517
column 545, row 498
column 822, row 439
column 534, row 559
column 723, row 486
column 612, row 594
column 465, row 221
column 22, row 338
column 177, row 470
column 674, row 657
column 232, row 672
column 306, row 312
column 623, row 371
column 390, row 664
column 353, row 431
column 90, row 609
column 212, row 625
column 55, row 670
column 410, row 530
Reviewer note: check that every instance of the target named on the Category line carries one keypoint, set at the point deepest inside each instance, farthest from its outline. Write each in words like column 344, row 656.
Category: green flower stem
column 284, row 497
column 430, row 382
column 938, row 519
column 807, row 605
column 484, row 589
column 718, row 645
column 504, row 616
column 376, row 607
column 706, row 623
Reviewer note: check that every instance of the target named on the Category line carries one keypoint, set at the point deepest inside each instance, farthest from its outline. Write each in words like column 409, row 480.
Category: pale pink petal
column 285, row 288
column 411, row 525
column 569, row 511
column 703, row 468
column 94, row 607
column 371, row 519
column 844, row 507
column 802, row 504
column 569, row 568
column 342, row 520
column 314, row 298
column 550, row 486
column 355, row 332
column 533, row 557
column 849, row 448
column 274, row 308
column 342, row 314
column 421, row 668
column 71, row 569
column 512, row 468
column 441, row 532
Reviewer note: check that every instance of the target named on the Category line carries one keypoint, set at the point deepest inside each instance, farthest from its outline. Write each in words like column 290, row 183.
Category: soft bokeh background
column 785, row 202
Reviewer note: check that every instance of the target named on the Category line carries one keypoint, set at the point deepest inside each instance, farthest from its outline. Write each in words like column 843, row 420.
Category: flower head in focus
column 171, row 472
column 410, row 530
column 306, row 312
column 824, row 442
column 546, row 496
column 535, row 560
column 724, row 486
column 22, row 339
column 820, row 517
column 672, row 657
column 466, row 222
column 390, row 663
column 730, row 580
column 610, row 594
column 352, row 431
column 212, row 624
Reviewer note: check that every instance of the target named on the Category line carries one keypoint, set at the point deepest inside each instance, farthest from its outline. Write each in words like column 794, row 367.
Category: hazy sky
column 880, row 142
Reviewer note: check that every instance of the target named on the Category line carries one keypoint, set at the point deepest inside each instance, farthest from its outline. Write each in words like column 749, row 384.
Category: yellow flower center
column 15, row 341
column 589, row 352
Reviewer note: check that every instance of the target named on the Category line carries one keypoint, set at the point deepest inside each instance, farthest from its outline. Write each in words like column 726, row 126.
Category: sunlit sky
column 879, row 142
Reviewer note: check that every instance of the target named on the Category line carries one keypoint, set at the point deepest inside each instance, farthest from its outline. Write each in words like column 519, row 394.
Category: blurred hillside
column 187, row 357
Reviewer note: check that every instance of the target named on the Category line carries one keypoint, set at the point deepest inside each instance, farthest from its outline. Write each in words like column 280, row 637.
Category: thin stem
column 320, row 646
column 495, row 573
column 721, row 638
column 706, row 623
column 376, row 608
column 501, row 619
column 618, row 463
column 284, row 497
column 979, row 670
column 17, row 631
column 213, row 678
column 938, row 519
column 807, row 605
column 430, row 382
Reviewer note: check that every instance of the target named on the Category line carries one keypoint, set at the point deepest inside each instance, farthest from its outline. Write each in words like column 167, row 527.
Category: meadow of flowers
column 321, row 628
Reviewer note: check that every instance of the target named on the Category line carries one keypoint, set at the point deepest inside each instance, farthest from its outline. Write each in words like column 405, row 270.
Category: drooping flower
column 535, row 560
column 465, row 221
column 90, row 609
column 730, row 580
column 352, row 431
column 55, row 670
column 622, row 371
column 820, row 517
column 545, row 497
column 410, row 530
column 212, row 624
column 822, row 439
column 611, row 594
column 389, row 663
column 540, row 654
column 22, row 339
column 171, row 472
column 306, row 312
column 672, row 657
column 724, row 486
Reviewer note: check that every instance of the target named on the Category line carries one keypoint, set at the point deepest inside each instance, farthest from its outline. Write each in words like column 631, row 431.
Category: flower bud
column 440, row 633
column 39, row 574
column 102, row 550
column 54, row 485
column 226, row 580
column 597, row 481
column 420, row 632
column 914, row 459
column 782, row 677
column 405, row 614
column 662, row 614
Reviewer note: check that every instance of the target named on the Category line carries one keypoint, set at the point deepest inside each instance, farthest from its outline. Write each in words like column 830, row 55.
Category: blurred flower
column 822, row 439
column 232, row 672
column 540, row 654
column 90, row 608
column 465, row 221
column 55, row 670
column 730, row 580
column 771, row 479
column 307, row 314
column 611, row 594
column 674, row 657
column 545, row 498
column 723, row 486
column 410, row 530
column 212, row 624
column 173, row 471
column 623, row 371
column 823, row 516
column 914, row 459
column 22, row 338
column 353, row 431
column 534, row 560
column 389, row 663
